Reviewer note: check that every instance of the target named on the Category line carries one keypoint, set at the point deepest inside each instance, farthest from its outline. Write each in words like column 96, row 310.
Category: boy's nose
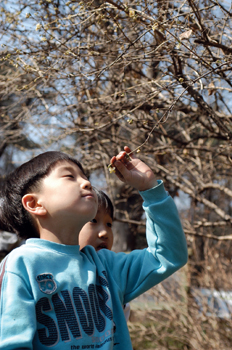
column 103, row 234
column 86, row 184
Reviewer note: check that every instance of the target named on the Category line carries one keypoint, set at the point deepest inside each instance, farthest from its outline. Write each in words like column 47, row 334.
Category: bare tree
column 94, row 76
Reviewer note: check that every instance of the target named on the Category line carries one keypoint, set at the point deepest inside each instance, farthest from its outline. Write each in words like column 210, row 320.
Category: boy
column 52, row 296
column 98, row 232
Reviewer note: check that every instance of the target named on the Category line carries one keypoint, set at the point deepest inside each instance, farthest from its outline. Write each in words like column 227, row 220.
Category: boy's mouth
column 88, row 195
column 101, row 246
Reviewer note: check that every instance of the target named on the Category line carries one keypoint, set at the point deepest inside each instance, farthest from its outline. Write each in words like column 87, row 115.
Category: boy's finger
column 123, row 156
column 121, row 168
column 120, row 156
column 113, row 159
column 117, row 166
column 129, row 151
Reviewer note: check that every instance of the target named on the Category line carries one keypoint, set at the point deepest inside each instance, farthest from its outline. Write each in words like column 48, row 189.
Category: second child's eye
column 94, row 221
column 69, row 175
column 109, row 224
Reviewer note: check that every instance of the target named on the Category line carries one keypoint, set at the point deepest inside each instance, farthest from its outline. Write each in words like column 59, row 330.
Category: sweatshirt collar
column 58, row 247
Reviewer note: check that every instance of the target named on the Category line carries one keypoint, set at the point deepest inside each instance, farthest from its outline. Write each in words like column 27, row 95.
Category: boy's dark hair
column 13, row 216
column 105, row 202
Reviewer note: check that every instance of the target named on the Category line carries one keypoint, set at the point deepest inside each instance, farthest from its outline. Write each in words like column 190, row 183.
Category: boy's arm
column 167, row 248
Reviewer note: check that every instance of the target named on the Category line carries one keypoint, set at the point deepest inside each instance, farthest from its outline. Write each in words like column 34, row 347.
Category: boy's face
column 97, row 232
column 67, row 195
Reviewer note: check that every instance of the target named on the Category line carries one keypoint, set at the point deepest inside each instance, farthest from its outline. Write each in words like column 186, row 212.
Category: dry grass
column 174, row 321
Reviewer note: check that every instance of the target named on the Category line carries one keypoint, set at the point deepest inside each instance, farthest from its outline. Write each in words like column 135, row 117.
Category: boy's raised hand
column 133, row 171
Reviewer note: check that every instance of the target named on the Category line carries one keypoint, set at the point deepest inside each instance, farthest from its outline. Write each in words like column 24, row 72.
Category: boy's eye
column 109, row 224
column 94, row 221
column 69, row 175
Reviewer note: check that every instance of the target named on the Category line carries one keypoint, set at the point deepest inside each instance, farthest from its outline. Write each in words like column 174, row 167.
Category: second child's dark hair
column 13, row 216
column 105, row 202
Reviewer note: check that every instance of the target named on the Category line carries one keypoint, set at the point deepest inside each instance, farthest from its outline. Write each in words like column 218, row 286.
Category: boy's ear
column 30, row 203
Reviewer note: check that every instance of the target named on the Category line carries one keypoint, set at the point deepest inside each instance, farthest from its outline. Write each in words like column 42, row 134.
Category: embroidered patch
column 46, row 283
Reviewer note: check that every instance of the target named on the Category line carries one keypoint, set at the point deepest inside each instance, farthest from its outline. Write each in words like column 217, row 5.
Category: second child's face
column 98, row 232
column 67, row 195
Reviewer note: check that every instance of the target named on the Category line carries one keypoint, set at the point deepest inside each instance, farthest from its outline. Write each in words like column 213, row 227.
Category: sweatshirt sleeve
column 138, row 271
column 17, row 309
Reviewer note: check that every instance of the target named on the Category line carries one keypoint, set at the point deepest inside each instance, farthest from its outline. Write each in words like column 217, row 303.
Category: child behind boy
column 98, row 232
column 54, row 296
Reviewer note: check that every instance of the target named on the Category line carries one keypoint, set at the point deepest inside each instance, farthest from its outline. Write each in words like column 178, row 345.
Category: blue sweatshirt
column 54, row 296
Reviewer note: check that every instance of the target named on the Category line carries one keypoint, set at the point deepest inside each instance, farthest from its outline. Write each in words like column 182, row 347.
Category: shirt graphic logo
column 46, row 283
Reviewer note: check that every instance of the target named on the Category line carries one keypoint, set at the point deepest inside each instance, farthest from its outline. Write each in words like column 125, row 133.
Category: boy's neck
column 49, row 236
column 65, row 235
